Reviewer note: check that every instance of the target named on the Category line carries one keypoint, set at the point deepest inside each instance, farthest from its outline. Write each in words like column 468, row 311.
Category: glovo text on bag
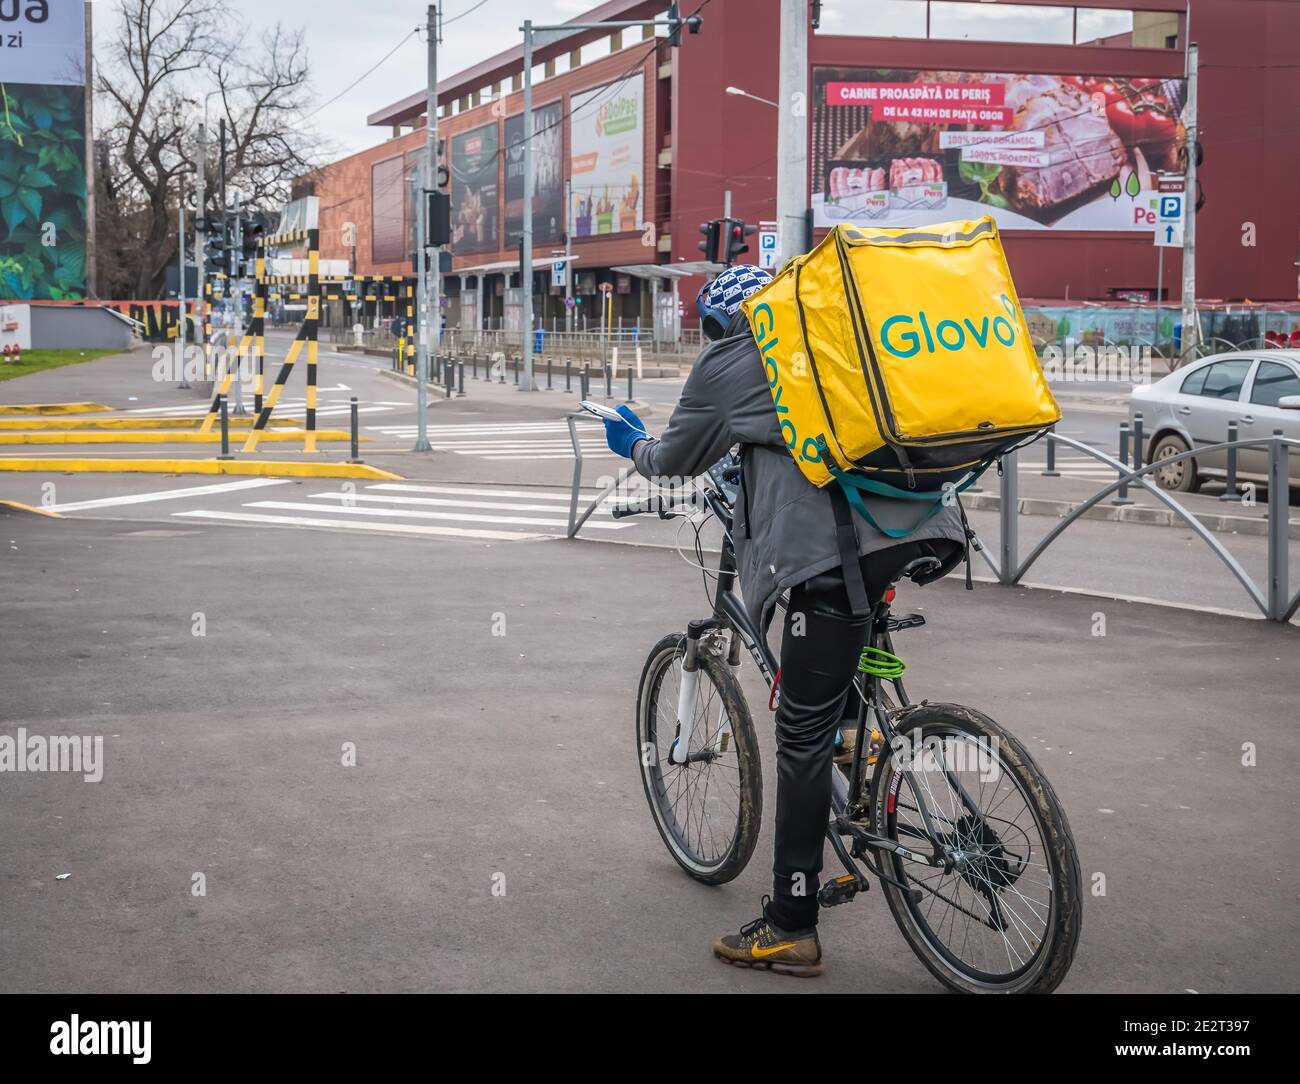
column 794, row 396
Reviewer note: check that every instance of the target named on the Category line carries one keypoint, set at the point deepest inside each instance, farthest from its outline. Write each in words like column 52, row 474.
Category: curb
column 261, row 467
column 144, row 436
column 56, row 424
column 1130, row 513
column 18, row 506
column 53, row 408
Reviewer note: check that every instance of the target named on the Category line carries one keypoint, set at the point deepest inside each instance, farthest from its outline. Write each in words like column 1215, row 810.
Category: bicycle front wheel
column 707, row 810
column 1005, row 916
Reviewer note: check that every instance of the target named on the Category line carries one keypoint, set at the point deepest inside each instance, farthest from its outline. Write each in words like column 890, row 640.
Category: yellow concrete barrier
column 32, row 423
column 262, row 467
column 53, row 408
column 144, row 436
column 19, row 506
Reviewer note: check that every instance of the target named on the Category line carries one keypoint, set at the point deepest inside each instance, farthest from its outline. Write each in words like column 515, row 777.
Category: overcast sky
column 347, row 37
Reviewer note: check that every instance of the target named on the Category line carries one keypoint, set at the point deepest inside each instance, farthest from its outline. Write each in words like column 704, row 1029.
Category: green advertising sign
column 42, row 192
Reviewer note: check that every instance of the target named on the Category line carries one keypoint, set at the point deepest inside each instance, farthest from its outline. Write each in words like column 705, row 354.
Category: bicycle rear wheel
column 1006, row 917
column 707, row 811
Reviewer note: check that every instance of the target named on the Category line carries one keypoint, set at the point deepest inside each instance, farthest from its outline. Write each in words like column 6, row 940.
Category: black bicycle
column 944, row 807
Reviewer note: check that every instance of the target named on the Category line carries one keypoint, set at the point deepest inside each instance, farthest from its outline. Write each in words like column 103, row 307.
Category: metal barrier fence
column 1274, row 599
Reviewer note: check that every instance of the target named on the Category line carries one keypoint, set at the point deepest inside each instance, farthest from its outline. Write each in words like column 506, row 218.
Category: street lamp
column 745, row 94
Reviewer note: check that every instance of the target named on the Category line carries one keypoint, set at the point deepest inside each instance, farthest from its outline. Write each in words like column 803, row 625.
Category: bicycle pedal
column 841, row 890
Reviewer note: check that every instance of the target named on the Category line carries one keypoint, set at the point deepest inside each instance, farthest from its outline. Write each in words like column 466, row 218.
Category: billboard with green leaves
column 42, row 192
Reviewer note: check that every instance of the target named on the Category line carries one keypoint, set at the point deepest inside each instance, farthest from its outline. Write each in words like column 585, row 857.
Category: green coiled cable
column 880, row 663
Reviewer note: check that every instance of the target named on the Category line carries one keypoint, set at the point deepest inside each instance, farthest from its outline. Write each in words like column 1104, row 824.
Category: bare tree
column 164, row 58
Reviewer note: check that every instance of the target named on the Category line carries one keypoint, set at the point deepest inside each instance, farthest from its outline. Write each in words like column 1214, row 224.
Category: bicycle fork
column 680, row 752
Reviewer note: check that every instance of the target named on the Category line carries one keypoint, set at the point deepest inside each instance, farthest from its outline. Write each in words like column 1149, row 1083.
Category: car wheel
column 1180, row 477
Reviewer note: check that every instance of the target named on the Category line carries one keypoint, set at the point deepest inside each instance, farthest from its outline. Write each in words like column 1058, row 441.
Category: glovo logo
column 900, row 336
column 763, row 321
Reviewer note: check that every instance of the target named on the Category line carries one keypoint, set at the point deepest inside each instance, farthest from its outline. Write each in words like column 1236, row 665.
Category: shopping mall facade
column 1063, row 140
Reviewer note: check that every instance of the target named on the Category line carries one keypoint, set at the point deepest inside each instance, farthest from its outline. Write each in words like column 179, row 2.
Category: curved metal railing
column 1273, row 600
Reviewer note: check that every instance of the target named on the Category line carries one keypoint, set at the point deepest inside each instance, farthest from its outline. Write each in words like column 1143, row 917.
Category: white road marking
column 407, row 513
column 400, row 528
column 465, row 491
column 442, row 502
column 168, row 494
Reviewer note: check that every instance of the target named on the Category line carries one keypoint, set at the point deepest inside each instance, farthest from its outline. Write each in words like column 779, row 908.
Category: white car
column 1192, row 406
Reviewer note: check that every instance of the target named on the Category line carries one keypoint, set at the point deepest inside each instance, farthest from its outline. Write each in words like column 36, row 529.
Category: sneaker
column 770, row 948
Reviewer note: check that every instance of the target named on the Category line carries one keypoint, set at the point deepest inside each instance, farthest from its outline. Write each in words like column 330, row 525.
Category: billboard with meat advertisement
column 1074, row 152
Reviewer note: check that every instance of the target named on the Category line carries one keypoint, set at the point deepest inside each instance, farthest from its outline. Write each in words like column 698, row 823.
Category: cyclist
column 785, row 539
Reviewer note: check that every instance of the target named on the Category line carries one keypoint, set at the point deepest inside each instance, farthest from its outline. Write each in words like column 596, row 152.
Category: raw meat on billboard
column 1033, row 151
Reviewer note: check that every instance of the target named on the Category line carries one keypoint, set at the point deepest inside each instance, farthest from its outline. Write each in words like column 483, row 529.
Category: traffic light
column 214, row 250
column 251, row 235
column 437, row 219
column 711, row 244
column 736, row 232
column 691, row 22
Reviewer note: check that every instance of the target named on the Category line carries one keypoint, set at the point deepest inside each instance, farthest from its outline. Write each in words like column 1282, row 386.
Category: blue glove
column 621, row 436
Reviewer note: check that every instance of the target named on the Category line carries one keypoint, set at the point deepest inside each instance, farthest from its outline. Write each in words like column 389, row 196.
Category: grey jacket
column 790, row 533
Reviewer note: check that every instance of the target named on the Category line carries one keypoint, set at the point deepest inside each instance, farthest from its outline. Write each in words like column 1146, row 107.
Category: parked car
column 1192, row 406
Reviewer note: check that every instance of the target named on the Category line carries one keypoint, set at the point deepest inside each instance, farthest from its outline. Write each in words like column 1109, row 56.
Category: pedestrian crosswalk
column 1081, row 467
column 452, row 511
column 288, row 407
column 507, row 441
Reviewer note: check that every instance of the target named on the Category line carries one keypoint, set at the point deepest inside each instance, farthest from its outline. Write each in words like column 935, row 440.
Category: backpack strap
column 851, row 486
column 846, row 539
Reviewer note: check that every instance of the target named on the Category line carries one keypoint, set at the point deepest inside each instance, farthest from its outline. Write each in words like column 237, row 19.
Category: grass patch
column 36, row 361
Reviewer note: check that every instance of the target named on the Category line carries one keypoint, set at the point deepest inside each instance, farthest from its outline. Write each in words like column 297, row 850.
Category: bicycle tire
column 749, row 787
column 1060, row 939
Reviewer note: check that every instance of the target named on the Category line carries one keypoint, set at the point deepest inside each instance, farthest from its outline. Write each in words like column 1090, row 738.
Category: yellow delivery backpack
column 899, row 360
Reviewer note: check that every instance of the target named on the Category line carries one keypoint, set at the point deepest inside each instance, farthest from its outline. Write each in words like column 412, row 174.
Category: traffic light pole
column 238, row 246
column 547, row 35
column 180, row 287
column 200, row 246
column 1191, row 332
column 429, row 310
column 792, row 131
column 526, row 249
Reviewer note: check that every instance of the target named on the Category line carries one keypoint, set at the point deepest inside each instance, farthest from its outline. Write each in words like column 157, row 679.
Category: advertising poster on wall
column 607, row 158
column 548, row 175
column 474, row 160
column 42, row 151
column 1071, row 152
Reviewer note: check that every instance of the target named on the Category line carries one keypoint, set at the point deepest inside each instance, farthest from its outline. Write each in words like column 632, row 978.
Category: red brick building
column 1068, row 235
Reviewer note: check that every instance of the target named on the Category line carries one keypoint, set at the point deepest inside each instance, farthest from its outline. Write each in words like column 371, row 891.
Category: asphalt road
column 509, row 760
column 365, row 615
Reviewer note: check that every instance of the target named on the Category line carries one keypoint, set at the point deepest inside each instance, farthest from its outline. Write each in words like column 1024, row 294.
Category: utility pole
column 568, row 258
column 180, row 285
column 200, row 244
column 238, row 245
column 430, row 307
column 526, row 248
column 1191, row 333
column 225, row 251
column 792, row 131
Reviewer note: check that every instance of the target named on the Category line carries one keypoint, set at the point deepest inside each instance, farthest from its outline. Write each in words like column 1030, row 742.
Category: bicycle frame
column 729, row 616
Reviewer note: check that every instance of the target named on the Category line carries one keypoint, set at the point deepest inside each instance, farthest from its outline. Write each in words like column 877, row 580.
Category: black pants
column 817, row 671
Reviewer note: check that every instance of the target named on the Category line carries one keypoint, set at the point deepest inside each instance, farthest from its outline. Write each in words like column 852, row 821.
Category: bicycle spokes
column 988, row 906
